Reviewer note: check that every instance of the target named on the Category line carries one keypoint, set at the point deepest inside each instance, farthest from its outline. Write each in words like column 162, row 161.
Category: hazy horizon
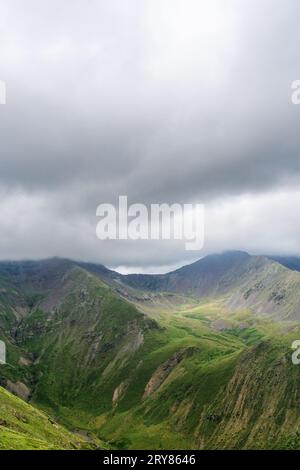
column 136, row 270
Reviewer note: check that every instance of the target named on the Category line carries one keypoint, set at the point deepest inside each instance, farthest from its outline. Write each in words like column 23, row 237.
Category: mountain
column 290, row 262
column 58, row 307
column 210, row 275
column 166, row 362
column 257, row 282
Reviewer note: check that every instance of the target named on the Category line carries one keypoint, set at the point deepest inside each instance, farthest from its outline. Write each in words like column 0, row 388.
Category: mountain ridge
column 258, row 282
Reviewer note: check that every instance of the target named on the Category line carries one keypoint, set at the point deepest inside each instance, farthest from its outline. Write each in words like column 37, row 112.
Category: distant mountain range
column 196, row 358
column 268, row 285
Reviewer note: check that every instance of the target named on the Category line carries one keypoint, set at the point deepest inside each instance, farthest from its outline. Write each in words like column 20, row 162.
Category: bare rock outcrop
column 19, row 389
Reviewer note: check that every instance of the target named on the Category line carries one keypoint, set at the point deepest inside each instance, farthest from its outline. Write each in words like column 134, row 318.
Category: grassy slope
column 239, row 390
column 92, row 331
column 87, row 347
column 24, row 427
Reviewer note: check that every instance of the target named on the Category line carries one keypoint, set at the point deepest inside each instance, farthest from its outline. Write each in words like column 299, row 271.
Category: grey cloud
column 163, row 101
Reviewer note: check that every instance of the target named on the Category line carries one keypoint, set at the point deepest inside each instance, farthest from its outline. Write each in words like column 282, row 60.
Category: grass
column 24, row 427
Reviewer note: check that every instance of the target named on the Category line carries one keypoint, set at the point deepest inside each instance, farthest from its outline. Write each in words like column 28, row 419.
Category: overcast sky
column 185, row 101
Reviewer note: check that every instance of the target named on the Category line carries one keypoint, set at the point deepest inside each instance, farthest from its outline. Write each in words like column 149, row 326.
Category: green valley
column 134, row 366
